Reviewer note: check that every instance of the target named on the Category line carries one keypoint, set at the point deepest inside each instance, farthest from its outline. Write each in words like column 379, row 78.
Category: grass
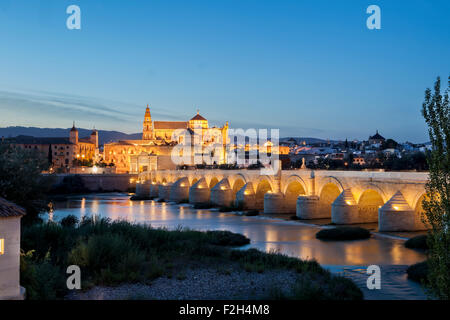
column 114, row 252
column 419, row 242
column 312, row 286
column 343, row 233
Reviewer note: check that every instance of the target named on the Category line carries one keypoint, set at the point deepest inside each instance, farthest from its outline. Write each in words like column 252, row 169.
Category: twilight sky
column 310, row 68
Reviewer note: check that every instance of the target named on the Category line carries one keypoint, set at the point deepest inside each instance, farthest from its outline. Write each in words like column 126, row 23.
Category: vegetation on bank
column 419, row 242
column 114, row 252
column 343, row 233
column 418, row 272
column 436, row 205
column 21, row 181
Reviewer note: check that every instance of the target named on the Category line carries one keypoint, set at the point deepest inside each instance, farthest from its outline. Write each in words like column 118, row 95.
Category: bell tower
column 147, row 129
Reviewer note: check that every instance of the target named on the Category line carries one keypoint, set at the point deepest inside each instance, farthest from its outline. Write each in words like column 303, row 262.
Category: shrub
column 69, row 221
column 311, row 286
column 42, row 280
column 111, row 257
column 418, row 272
column 227, row 238
column 419, row 242
column 343, row 233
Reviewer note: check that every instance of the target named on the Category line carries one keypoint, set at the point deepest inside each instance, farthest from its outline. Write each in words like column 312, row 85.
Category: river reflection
column 268, row 234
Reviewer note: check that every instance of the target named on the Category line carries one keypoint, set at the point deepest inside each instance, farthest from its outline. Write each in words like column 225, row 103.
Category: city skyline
column 308, row 69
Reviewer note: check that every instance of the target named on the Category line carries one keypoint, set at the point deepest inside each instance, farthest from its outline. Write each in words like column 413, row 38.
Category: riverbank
column 115, row 253
column 289, row 237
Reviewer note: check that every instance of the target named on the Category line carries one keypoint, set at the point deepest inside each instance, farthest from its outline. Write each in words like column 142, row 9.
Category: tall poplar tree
column 436, row 204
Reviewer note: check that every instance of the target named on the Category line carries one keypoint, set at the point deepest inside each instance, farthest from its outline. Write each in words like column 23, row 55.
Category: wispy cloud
column 50, row 109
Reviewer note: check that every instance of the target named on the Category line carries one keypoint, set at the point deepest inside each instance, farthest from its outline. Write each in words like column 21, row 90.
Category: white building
column 10, row 215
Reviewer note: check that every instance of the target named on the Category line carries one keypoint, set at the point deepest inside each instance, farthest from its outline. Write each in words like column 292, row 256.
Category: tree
column 436, row 204
column 20, row 178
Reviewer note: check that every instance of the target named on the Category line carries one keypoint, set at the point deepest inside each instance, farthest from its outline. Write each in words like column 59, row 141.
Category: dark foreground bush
column 343, row 233
column 419, row 242
column 418, row 272
column 70, row 221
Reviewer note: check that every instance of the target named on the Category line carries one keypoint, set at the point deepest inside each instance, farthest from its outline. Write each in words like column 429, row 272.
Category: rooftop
column 170, row 124
column 198, row 117
column 9, row 209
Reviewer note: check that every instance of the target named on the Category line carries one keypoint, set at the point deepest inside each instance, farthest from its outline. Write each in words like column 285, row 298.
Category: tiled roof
column 170, row 124
column 9, row 209
column 198, row 117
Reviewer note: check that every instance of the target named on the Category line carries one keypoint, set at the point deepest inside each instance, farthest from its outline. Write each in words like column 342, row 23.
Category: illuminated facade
column 62, row 152
column 158, row 140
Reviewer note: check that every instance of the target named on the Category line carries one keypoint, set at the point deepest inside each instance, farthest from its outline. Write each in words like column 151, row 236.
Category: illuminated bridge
column 391, row 199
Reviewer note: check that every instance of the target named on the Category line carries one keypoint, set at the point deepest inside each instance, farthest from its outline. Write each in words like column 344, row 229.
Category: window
column 2, row 246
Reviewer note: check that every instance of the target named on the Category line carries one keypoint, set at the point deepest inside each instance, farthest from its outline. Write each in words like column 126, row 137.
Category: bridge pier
column 222, row 195
column 397, row 215
column 180, row 190
column 143, row 188
column 344, row 210
column 274, row 203
column 164, row 191
column 154, row 190
column 246, row 197
column 199, row 192
column 308, row 207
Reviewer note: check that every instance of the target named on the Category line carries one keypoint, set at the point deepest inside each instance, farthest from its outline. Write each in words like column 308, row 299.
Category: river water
column 293, row 238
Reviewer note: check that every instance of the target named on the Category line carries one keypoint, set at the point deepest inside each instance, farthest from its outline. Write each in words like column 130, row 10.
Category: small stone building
column 10, row 215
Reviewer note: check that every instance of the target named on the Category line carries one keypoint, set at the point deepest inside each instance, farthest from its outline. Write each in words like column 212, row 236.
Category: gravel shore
column 198, row 284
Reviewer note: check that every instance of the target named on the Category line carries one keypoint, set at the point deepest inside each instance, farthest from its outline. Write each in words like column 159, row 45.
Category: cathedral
column 159, row 138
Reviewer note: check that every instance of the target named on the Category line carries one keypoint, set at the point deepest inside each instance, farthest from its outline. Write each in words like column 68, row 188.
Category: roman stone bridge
column 393, row 199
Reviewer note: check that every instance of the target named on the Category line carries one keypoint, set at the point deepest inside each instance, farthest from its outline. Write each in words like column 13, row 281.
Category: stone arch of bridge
column 264, row 184
column 295, row 184
column 294, row 187
column 329, row 191
column 370, row 200
column 212, row 181
column 237, row 181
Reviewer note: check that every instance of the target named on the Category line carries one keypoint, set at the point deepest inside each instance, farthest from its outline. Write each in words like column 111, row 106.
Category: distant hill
column 106, row 136
column 103, row 135
column 308, row 140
